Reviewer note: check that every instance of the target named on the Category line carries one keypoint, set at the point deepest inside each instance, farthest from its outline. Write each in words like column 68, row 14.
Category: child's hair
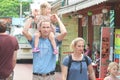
column 74, row 42
column 43, row 6
column 112, row 64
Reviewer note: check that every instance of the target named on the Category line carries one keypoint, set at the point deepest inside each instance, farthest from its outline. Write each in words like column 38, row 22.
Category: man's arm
column 14, row 58
column 63, row 30
column 26, row 28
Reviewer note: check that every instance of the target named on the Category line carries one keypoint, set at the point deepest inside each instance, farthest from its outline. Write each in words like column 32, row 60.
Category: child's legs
column 37, row 35
column 52, row 39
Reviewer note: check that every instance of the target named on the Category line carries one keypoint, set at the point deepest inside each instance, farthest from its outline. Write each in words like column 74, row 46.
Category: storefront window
column 96, row 41
column 85, row 33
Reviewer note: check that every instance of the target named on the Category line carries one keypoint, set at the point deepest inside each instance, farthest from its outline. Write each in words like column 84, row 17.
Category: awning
column 79, row 6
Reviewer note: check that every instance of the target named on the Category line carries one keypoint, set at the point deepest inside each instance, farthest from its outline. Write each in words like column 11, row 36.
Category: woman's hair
column 43, row 6
column 75, row 41
column 111, row 65
column 88, row 44
column 98, row 52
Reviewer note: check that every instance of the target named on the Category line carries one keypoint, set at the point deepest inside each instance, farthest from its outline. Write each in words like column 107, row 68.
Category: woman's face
column 79, row 47
column 114, row 70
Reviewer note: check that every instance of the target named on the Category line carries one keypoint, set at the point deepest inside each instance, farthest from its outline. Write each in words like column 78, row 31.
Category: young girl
column 45, row 10
column 112, row 71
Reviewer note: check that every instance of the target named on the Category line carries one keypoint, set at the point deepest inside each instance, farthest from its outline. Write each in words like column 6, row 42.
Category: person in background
column 97, row 58
column 88, row 52
column 112, row 70
column 8, row 53
column 79, row 69
column 44, row 62
column 45, row 14
column 97, row 62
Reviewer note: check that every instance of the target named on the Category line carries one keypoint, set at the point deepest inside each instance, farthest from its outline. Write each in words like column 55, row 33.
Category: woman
column 78, row 69
column 97, row 62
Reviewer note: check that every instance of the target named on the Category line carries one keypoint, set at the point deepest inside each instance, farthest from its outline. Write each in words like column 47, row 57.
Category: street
column 23, row 71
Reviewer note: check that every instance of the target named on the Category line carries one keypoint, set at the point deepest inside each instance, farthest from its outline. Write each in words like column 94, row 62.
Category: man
column 8, row 53
column 44, row 62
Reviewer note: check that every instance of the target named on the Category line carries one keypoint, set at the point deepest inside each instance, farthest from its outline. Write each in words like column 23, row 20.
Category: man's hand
column 27, row 25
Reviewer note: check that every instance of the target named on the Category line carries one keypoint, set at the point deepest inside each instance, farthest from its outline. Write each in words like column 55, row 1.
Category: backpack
column 70, row 61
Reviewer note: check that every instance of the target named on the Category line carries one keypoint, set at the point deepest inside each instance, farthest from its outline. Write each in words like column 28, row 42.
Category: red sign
column 105, row 51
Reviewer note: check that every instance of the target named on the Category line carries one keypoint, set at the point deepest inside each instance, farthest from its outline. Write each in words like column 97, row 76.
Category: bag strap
column 86, row 60
column 69, row 64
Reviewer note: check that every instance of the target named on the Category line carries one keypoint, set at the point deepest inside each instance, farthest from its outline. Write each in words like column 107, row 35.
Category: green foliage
column 11, row 8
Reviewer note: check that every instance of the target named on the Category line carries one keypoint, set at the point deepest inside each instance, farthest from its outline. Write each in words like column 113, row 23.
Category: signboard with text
column 117, row 45
column 105, row 51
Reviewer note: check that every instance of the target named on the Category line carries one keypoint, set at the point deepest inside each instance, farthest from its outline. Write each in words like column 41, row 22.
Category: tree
column 11, row 8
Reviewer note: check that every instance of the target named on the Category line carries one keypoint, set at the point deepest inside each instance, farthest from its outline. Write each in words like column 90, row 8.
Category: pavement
column 24, row 72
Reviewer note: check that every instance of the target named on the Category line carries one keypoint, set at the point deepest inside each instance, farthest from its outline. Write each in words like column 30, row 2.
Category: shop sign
column 84, row 21
column 117, row 46
column 97, row 19
column 105, row 51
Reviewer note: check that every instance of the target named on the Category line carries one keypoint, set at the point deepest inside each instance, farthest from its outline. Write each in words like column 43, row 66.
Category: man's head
column 3, row 27
column 45, row 28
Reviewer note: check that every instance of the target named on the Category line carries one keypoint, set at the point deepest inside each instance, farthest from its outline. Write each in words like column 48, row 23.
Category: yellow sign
column 117, row 41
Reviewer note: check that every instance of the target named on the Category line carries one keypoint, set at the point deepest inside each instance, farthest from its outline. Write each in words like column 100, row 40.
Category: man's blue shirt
column 44, row 61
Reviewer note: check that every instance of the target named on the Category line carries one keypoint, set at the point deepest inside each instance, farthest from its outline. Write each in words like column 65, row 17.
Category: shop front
column 97, row 21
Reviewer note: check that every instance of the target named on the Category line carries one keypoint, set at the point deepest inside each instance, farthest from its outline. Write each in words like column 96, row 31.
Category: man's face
column 45, row 29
